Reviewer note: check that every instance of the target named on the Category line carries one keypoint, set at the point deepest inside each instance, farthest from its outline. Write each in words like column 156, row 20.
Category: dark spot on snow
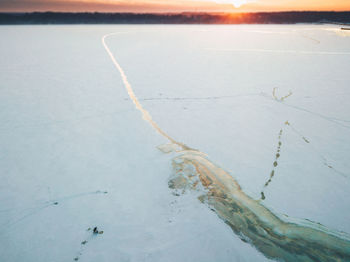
column 307, row 141
column 95, row 231
column 84, row 242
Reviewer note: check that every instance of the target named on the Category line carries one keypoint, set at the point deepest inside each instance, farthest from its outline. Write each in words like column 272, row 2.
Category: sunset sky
column 172, row 5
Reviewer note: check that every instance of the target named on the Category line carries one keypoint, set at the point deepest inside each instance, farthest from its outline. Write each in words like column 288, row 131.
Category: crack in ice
column 248, row 218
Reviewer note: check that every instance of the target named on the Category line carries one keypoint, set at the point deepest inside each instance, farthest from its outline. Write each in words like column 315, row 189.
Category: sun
column 235, row 3
column 238, row 3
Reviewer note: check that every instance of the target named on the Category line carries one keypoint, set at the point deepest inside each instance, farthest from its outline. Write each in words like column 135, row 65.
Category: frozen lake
column 266, row 103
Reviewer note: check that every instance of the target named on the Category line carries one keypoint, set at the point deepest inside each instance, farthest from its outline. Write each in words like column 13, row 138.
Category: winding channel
column 254, row 223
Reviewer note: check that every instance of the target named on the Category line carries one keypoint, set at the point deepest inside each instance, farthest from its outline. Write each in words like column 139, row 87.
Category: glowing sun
column 235, row 3
column 238, row 3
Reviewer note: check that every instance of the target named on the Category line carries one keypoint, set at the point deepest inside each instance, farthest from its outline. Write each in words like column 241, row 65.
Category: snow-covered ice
column 75, row 152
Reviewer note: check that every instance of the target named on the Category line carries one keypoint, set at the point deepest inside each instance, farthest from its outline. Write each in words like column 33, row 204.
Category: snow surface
column 69, row 133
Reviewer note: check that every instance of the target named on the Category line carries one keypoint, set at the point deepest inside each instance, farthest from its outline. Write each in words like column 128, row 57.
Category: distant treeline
column 181, row 18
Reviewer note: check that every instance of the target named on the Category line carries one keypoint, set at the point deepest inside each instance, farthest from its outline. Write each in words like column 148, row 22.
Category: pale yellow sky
column 173, row 5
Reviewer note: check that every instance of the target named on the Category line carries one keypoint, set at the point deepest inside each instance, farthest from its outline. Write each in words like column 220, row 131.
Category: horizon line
column 176, row 12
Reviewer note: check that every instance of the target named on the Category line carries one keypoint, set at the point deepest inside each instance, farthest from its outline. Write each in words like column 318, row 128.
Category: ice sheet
column 69, row 129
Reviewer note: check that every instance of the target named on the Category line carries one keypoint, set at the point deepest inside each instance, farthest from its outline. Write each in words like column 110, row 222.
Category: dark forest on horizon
column 175, row 18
